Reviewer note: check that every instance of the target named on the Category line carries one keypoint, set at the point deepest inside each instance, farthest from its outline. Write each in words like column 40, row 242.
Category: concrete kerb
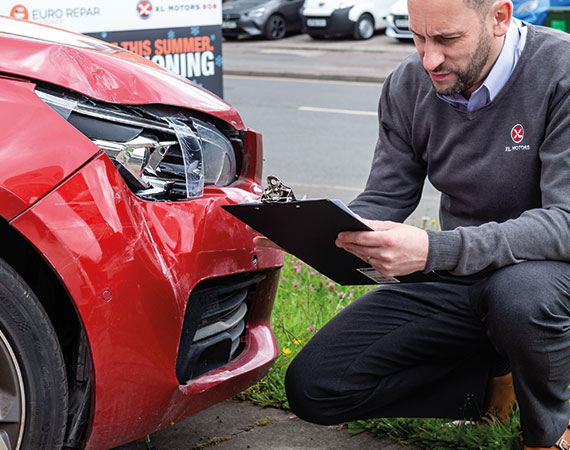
column 307, row 76
column 378, row 44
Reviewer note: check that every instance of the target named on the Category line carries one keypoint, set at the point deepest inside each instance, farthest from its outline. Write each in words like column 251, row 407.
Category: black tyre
column 33, row 404
column 276, row 27
column 364, row 28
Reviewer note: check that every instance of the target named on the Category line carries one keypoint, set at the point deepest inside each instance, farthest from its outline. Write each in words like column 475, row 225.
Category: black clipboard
column 308, row 230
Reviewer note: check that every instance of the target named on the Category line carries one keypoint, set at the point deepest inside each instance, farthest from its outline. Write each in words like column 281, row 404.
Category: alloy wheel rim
column 277, row 28
column 12, row 398
column 365, row 29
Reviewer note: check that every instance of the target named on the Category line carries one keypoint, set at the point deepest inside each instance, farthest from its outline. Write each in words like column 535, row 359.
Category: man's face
column 454, row 43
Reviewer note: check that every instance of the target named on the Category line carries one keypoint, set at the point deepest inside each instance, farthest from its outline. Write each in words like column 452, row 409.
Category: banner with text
column 194, row 53
column 182, row 36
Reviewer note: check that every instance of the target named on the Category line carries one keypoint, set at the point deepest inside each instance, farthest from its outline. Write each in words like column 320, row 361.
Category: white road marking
column 338, row 111
column 296, row 52
column 302, row 80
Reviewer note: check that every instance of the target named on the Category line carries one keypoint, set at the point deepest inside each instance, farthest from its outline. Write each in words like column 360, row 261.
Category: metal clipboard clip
column 277, row 192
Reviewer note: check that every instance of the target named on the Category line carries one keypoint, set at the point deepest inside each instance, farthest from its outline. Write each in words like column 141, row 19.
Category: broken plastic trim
column 136, row 155
column 192, row 156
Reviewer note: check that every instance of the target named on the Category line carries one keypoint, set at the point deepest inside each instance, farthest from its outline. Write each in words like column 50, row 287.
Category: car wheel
column 364, row 28
column 275, row 28
column 33, row 386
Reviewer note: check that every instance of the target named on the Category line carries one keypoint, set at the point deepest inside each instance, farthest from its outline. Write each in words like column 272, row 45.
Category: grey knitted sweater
column 503, row 170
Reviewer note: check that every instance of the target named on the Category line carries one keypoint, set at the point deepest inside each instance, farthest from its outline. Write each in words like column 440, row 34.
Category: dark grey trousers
column 429, row 349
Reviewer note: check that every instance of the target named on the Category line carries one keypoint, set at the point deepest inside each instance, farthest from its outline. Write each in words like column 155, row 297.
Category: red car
column 129, row 299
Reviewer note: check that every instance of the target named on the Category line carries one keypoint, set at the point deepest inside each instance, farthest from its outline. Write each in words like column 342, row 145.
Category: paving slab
column 237, row 425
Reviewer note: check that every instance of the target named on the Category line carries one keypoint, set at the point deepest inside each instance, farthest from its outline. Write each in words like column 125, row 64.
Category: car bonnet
column 239, row 6
column 99, row 70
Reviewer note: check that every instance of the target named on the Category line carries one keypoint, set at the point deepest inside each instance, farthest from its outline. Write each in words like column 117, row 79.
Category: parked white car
column 399, row 22
column 359, row 18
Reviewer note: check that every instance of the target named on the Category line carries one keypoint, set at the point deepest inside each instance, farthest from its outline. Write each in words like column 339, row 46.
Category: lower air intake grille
column 214, row 323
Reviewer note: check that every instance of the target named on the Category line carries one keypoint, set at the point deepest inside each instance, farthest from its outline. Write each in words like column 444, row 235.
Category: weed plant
column 305, row 301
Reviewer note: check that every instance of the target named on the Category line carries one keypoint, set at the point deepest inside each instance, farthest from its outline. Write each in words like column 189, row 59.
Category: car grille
column 401, row 19
column 231, row 17
column 214, row 324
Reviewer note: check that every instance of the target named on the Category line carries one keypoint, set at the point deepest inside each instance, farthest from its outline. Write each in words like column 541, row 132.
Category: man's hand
column 393, row 249
column 262, row 241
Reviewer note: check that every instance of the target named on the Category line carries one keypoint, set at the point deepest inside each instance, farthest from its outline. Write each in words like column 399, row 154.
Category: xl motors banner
column 183, row 36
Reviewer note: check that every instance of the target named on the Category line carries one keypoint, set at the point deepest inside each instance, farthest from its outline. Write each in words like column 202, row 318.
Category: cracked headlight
column 220, row 163
column 159, row 156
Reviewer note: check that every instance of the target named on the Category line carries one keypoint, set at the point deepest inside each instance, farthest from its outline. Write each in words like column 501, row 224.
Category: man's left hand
column 393, row 249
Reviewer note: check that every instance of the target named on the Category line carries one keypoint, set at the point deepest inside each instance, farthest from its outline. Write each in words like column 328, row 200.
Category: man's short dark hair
column 481, row 6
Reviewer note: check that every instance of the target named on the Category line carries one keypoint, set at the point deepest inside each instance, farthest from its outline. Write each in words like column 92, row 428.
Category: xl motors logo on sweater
column 517, row 136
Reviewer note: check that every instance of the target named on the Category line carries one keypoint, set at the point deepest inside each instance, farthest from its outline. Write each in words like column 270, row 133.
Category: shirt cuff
column 444, row 250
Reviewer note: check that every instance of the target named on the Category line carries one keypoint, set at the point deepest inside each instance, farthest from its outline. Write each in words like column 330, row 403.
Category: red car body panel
column 135, row 253
column 99, row 70
column 31, row 166
column 128, row 264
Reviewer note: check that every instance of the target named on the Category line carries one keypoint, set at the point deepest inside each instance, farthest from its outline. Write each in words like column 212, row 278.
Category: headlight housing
column 162, row 155
column 346, row 4
column 258, row 12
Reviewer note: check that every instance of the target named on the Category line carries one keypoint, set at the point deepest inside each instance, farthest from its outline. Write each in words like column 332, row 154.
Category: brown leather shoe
column 500, row 397
column 561, row 444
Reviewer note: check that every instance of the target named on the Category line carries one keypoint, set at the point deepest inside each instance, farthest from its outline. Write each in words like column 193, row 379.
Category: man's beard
column 471, row 75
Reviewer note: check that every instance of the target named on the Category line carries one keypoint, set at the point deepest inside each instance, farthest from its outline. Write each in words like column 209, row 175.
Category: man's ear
column 501, row 15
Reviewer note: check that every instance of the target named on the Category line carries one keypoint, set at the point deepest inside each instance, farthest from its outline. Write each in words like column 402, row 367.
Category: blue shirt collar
column 513, row 46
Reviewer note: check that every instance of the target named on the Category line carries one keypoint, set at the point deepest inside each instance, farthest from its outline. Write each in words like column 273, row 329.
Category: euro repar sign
column 183, row 36
column 37, row 15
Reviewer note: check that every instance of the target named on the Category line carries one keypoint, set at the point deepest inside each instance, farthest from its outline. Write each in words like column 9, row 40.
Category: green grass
column 305, row 301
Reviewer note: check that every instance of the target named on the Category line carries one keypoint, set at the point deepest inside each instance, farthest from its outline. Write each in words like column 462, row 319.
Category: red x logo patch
column 517, row 133
column 144, row 8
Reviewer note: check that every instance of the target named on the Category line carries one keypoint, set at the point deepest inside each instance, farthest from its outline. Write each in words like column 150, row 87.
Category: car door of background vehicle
column 290, row 9
column 380, row 9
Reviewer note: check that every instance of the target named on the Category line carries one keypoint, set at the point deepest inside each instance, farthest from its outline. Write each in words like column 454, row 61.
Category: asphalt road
column 318, row 135
column 315, row 103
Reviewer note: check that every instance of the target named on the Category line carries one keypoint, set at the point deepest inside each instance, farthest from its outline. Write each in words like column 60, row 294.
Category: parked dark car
column 270, row 18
